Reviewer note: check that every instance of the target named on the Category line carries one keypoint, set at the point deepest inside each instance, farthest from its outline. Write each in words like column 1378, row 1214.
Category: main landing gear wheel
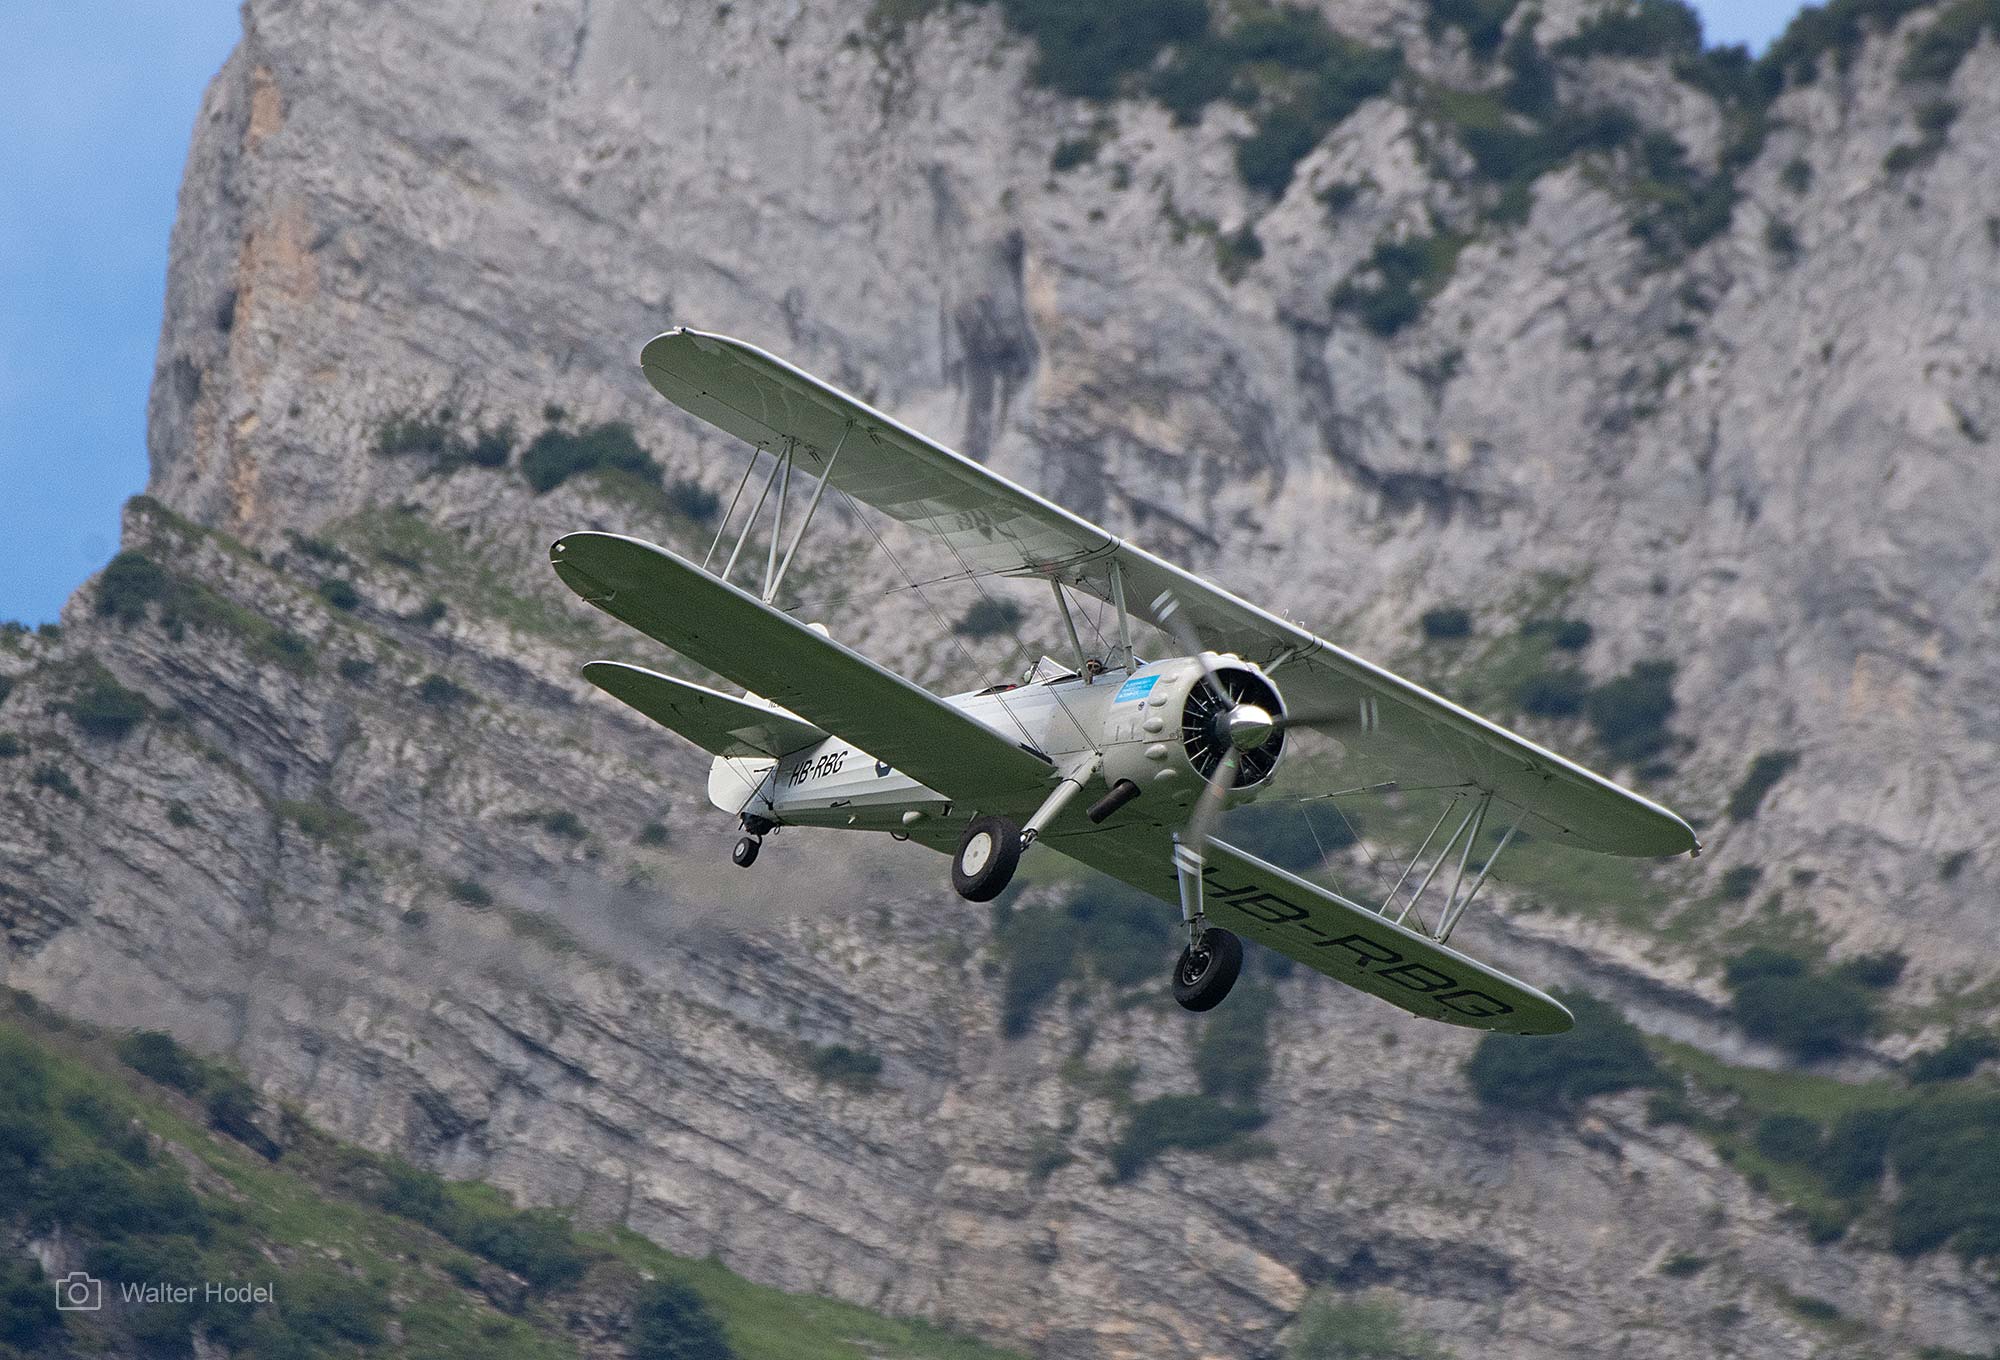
column 745, row 853
column 987, row 854
column 1208, row 969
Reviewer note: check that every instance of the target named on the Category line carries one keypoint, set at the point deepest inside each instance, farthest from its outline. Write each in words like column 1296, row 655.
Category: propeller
column 1240, row 727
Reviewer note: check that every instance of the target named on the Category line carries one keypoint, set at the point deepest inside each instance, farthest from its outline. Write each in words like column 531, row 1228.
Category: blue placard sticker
column 1138, row 687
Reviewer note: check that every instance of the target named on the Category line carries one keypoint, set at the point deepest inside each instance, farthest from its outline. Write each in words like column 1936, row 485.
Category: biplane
column 1123, row 762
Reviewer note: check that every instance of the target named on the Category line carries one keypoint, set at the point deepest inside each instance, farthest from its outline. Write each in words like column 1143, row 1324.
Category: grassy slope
column 302, row 1209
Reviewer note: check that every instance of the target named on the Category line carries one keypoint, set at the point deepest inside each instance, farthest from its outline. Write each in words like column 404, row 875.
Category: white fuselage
column 1120, row 714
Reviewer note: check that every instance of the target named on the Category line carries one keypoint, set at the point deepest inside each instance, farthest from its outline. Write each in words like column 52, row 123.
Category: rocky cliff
column 1481, row 315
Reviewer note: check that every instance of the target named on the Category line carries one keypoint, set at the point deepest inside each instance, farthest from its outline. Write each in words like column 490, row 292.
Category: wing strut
column 1460, row 896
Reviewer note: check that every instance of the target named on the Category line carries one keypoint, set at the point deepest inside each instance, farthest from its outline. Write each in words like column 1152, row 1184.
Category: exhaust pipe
column 1123, row 792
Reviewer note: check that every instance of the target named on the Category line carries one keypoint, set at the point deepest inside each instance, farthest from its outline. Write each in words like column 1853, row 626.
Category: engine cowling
column 1166, row 730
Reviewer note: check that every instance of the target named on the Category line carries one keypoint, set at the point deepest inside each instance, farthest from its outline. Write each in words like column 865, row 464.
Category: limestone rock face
column 413, row 875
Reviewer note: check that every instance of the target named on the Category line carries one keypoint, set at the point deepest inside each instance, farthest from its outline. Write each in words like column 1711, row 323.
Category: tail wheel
column 987, row 855
column 1207, row 970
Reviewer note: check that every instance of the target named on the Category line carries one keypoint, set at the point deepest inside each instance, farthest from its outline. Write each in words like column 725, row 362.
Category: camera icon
column 77, row 1292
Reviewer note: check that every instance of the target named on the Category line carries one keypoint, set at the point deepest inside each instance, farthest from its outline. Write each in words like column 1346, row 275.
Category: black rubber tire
column 994, row 844
column 1203, row 976
column 745, row 853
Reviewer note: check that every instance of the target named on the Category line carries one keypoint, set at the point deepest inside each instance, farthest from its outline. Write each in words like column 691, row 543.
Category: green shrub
column 11, row 745
column 1958, row 1057
column 1483, row 22
column 1232, row 1058
column 1552, row 1073
column 1531, row 77
column 857, row 1068
column 988, row 617
column 1445, row 624
column 321, row 1306
column 1683, row 1265
column 28, row 1315
column 157, row 1055
column 105, row 708
column 1837, row 28
column 1630, row 713
column 654, row 833
column 51, row 776
column 1118, row 934
column 1739, row 881
column 1781, row 240
column 431, row 613
column 1788, row 1137
column 439, row 692
column 1856, row 1147
column 470, row 892
column 535, row 1244
column 1330, row 1327
column 692, row 499
column 1797, row 176
column 1762, row 961
column 1946, row 1152
column 1645, row 28
column 1237, row 251
column 1038, row 947
column 1073, row 152
column 323, row 821
column 286, row 648
column 424, row 434
column 1877, row 970
column 340, row 594
column 354, row 669
column 1813, row 1015
column 562, row 822
column 100, row 1193
column 1084, row 50
column 1407, row 274
column 1557, row 693
column 671, row 1322
column 1290, row 127
column 490, row 448
column 1198, row 1123
column 1763, row 776
column 318, row 548
column 1567, row 635
column 1935, row 52
column 556, row 455
column 130, row 582
column 1196, row 77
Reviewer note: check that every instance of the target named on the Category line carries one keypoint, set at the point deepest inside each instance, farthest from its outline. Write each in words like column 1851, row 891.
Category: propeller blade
column 1318, row 722
column 1208, row 807
column 1167, row 609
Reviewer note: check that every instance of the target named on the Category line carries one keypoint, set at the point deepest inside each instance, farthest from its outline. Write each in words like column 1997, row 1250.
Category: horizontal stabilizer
column 718, row 723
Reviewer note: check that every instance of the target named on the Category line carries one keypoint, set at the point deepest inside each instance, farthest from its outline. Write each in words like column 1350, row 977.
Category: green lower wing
column 1326, row 932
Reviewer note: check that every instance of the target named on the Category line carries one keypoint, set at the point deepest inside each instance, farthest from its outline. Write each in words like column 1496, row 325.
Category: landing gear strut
column 1207, row 969
column 987, row 855
column 745, row 853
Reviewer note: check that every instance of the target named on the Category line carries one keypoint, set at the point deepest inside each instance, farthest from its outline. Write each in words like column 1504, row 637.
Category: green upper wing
column 740, row 637
column 992, row 525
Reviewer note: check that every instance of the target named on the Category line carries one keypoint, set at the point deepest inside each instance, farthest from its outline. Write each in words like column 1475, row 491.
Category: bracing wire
column 1026, row 736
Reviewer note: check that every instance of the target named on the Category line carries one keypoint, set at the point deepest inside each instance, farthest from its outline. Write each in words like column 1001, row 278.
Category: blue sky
column 97, row 103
